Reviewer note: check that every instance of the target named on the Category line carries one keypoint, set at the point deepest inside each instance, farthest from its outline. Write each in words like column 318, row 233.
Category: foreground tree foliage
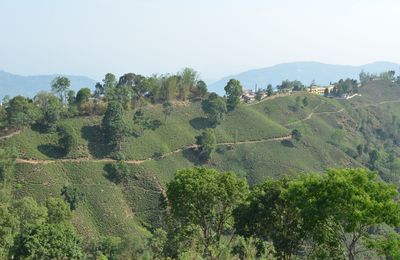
column 204, row 199
column 332, row 213
column 269, row 214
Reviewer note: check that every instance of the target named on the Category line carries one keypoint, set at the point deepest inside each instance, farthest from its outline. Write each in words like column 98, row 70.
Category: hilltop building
column 320, row 90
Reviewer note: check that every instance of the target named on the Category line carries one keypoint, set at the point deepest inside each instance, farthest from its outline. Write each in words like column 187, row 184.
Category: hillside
column 306, row 72
column 12, row 84
column 254, row 141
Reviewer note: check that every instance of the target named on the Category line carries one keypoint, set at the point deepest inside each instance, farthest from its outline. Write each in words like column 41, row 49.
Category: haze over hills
column 12, row 84
column 306, row 72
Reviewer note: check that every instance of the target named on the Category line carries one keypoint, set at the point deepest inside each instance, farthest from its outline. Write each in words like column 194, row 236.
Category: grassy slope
column 118, row 209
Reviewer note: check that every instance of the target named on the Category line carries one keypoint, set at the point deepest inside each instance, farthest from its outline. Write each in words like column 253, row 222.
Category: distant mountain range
column 306, row 72
column 12, row 84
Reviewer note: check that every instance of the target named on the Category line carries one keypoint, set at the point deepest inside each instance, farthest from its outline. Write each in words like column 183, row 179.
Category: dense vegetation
column 103, row 160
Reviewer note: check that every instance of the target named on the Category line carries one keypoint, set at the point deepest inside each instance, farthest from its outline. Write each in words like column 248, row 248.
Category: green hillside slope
column 253, row 141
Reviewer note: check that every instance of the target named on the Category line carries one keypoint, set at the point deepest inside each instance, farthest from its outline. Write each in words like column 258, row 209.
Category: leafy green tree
column 326, row 92
column 29, row 213
column 205, row 198
column 360, row 149
column 50, row 108
column 215, row 108
column 60, row 86
column 67, row 138
column 49, row 241
column 339, row 208
column 114, row 126
column 167, row 110
column 188, row 79
column 71, row 97
column 269, row 214
column 57, row 211
column 110, row 247
column 201, row 88
column 373, row 159
column 117, row 172
column 83, row 95
column 21, row 112
column 169, row 86
column 234, row 91
column 296, row 134
column 259, row 95
column 157, row 242
column 8, row 231
column 270, row 91
column 305, row 101
column 109, row 83
column 206, row 144
column 387, row 245
column 72, row 196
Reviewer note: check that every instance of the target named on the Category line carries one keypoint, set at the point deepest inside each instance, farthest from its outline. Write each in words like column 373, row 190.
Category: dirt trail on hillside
column 380, row 103
column 309, row 116
column 10, row 135
column 110, row 160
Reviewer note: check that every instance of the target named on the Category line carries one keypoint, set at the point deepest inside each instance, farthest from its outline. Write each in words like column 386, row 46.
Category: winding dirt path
column 309, row 116
column 10, row 135
column 87, row 159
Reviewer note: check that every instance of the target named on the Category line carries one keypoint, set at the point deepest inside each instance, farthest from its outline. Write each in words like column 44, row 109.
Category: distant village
column 343, row 89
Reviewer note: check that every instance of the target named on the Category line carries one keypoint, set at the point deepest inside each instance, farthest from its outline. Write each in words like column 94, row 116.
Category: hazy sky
column 215, row 37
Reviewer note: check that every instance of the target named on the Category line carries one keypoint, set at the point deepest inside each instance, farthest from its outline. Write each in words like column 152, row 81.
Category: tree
column 326, row 92
column 58, row 211
column 215, row 108
column 29, row 213
column 60, row 85
column 110, row 247
column 206, row 144
column 259, row 95
column 50, row 108
column 360, row 149
column 49, row 241
column 114, row 125
column 201, row 88
column 21, row 112
column 8, row 230
column 340, row 207
column 168, row 88
column 373, row 159
column 83, row 95
column 71, row 97
column 188, row 79
column 167, row 110
column 205, row 198
column 234, row 91
column 109, row 83
column 305, row 101
column 117, row 172
column 269, row 214
column 72, row 196
column 270, row 91
column 296, row 135
column 67, row 138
